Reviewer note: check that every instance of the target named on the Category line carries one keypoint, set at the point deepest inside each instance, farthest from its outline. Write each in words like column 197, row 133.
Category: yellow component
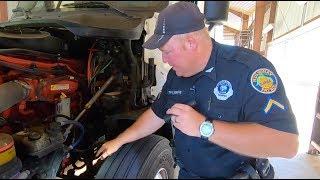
column 7, row 156
column 59, row 87
column 270, row 103
column 7, row 150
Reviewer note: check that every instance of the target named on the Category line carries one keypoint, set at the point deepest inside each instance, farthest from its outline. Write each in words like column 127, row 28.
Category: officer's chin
column 183, row 75
column 179, row 74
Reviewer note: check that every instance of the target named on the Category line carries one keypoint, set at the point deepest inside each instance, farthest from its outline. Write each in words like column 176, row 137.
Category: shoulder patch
column 264, row 81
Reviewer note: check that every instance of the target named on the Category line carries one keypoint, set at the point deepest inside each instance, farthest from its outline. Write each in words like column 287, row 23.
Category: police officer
column 241, row 110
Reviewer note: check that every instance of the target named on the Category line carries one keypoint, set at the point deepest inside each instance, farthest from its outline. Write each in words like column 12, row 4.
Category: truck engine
column 56, row 109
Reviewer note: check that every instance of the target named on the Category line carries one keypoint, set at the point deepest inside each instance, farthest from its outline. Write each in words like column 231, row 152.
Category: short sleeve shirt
column 237, row 85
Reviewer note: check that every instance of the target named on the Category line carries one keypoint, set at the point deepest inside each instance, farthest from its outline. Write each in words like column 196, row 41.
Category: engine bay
column 62, row 95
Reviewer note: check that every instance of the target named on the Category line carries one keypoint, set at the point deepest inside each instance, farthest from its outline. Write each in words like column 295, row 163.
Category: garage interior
column 287, row 34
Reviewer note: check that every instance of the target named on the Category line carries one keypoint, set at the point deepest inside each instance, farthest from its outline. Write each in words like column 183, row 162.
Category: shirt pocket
column 183, row 96
column 229, row 114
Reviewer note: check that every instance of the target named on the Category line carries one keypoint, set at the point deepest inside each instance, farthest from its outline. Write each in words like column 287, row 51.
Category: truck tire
column 52, row 165
column 149, row 157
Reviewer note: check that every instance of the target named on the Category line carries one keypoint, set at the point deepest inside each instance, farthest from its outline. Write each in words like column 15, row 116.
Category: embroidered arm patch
column 264, row 81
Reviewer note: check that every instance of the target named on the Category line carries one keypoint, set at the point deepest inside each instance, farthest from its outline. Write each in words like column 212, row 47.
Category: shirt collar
column 210, row 69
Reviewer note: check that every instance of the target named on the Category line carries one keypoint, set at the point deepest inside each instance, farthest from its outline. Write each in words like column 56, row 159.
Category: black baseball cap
column 179, row 18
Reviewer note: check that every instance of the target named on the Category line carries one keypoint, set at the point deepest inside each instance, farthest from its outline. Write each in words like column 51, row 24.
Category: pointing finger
column 102, row 148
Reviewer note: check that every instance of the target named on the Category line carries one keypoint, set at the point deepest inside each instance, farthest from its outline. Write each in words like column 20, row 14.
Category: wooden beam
column 258, row 25
column 245, row 22
column 230, row 29
column 239, row 14
column 244, row 18
column 273, row 5
column 3, row 11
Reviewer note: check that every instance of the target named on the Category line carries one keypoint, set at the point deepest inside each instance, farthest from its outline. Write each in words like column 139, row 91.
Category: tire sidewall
column 156, row 161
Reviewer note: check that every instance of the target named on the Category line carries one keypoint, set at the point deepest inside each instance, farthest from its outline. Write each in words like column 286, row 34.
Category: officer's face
column 178, row 56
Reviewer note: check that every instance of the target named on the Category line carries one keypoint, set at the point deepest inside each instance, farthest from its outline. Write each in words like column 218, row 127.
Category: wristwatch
column 206, row 129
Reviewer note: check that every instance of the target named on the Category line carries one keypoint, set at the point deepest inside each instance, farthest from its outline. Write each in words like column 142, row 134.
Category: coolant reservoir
column 7, row 150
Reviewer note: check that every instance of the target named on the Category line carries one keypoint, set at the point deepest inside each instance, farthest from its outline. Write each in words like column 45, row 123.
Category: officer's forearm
column 254, row 140
column 145, row 125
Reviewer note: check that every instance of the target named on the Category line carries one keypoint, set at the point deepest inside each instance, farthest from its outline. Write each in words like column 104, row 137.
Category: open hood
column 116, row 19
column 131, row 8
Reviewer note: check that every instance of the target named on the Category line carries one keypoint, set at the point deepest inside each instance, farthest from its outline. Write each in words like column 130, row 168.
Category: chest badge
column 264, row 81
column 223, row 90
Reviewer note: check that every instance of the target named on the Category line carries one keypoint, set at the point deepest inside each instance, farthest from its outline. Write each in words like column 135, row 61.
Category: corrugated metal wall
column 312, row 10
column 288, row 17
column 293, row 14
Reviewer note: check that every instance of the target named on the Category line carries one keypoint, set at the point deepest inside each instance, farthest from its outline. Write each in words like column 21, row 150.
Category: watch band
column 204, row 137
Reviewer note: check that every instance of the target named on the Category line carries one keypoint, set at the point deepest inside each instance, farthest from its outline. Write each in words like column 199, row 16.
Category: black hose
column 78, row 124
column 31, row 71
column 135, row 74
column 68, row 121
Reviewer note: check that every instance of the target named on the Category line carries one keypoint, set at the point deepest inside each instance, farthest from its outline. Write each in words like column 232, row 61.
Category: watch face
column 206, row 129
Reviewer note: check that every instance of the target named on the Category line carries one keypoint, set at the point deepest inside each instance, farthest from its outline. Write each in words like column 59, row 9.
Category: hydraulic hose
column 78, row 124
column 66, row 121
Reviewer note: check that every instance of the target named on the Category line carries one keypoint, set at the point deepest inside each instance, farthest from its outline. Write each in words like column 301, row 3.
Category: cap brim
column 156, row 41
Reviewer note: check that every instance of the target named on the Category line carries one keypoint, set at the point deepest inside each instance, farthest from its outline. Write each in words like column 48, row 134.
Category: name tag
column 175, row 92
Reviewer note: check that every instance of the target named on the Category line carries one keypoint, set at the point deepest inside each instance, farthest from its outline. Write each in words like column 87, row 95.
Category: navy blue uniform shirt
column 237, row 85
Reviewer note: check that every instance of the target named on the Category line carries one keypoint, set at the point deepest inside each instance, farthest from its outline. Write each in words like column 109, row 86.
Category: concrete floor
column 303, row 166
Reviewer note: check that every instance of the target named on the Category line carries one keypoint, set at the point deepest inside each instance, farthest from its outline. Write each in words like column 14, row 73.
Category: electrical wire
column 96, row 74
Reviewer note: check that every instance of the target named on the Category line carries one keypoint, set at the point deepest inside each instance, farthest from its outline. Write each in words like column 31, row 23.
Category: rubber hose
column 66, row 122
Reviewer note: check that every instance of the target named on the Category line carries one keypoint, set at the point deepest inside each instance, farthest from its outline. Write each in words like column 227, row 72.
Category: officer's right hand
column 108, row 148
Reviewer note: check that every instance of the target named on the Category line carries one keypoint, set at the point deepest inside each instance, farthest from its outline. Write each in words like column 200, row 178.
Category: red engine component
column 51, row 88
column 44, row 90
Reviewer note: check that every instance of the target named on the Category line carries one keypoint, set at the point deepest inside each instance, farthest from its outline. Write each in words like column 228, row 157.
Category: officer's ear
column 190, row 43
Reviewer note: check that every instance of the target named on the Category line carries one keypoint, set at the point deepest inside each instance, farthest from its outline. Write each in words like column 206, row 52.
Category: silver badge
column 223, row 90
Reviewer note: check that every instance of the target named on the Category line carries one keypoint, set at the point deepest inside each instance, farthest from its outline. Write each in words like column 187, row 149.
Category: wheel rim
column 161, row 174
